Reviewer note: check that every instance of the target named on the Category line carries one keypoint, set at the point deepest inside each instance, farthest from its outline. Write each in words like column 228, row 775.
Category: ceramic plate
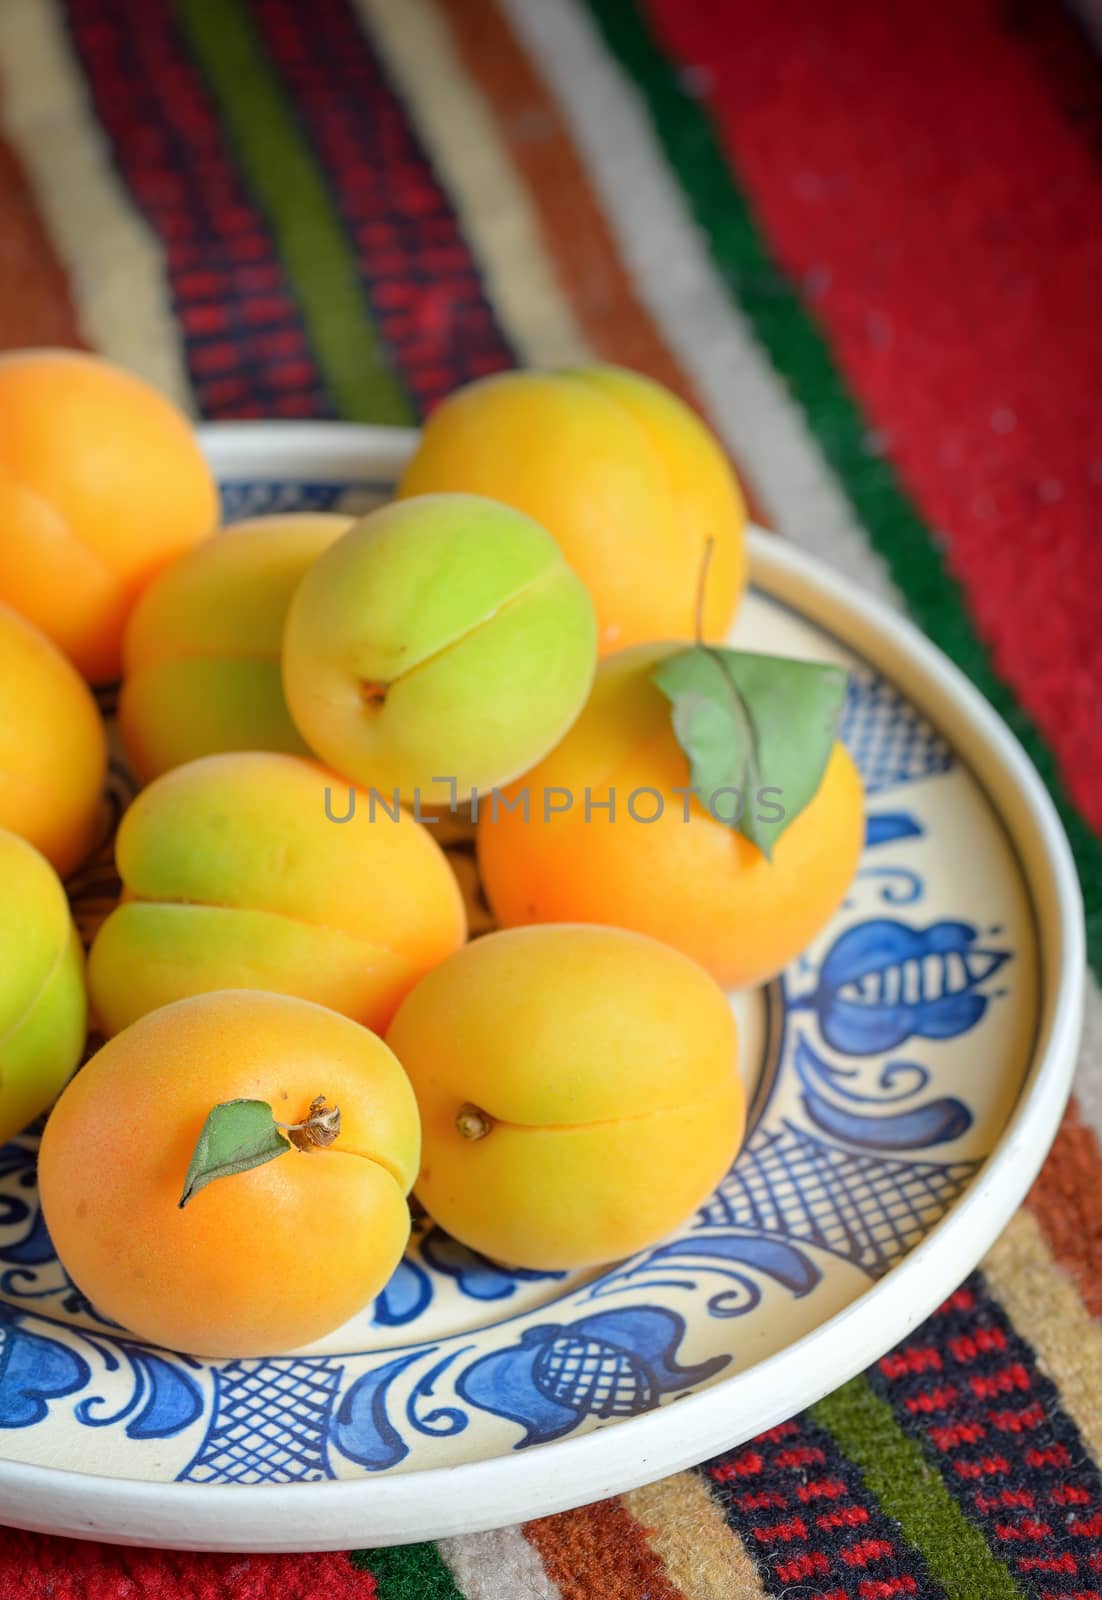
column 906, row 1076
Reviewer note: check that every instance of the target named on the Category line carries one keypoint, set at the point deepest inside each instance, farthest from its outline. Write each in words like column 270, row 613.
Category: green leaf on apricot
column 760, row 725
column 237, row 1135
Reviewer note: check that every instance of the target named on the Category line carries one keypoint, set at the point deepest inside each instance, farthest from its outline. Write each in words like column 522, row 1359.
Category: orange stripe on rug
column 703, row 1556
column 600, row 1550
column 1040, row 1299
column 36, row 307
column 1066, row 1201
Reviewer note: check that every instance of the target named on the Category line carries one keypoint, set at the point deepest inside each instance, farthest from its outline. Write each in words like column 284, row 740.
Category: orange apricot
column 578, row 1089
column 260, row 1261
column 659, row 861
column 102, row 483
column 53, row 747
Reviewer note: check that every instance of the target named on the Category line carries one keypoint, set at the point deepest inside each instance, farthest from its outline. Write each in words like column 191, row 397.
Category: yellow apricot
column 260, row 1261
column 684, row 876
column 439, row 647
column 578, row 1089
column 202, row 649
column 53, row 747
column 620, row 472
column 238, row 873
column 42, row 1002
column 102, row 483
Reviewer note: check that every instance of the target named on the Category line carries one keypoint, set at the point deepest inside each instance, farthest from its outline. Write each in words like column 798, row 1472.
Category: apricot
column 442, row 646
column 626, row 478
column 102, row 483
column 42, row 1001
column 260, row 1261
column 671, row 869
column 235, row 875
column 53, row 747
column 578, row 1089
column 202, row 649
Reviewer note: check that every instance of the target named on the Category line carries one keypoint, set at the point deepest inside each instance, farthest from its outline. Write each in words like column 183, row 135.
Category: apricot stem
column 701, row 586
column 473, row 1122
column 319, row 1127
column 374, row 692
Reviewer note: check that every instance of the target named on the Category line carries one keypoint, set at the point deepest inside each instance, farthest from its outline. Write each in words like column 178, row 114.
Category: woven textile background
column 866, row 241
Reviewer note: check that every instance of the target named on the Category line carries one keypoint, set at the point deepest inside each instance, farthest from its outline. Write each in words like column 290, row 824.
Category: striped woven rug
column 866, row 241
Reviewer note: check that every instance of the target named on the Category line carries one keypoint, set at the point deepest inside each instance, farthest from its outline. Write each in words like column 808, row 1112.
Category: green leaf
column 237, row 1135
column 759, row 725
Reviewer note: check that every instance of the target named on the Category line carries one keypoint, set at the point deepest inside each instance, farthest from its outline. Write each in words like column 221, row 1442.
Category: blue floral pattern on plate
column 869, row 1120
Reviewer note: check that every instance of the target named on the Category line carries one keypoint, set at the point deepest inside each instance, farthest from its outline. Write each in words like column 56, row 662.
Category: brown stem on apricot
column 702, row 585
column 319, row 1127
column 374, row 693
column 472, row 1122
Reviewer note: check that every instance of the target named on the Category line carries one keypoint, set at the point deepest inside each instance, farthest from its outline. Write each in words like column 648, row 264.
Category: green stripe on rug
column 408, row 1572
column 910, row 1491
column 280, row 167
column 801, row 355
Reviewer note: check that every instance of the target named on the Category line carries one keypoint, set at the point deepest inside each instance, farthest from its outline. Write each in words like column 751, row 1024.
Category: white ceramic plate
column 907, row 1076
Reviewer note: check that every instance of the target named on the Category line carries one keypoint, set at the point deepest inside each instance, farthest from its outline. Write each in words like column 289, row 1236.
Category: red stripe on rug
column 938, row 205
column 246, row 344
column 967, row 1385
column 36, row 1567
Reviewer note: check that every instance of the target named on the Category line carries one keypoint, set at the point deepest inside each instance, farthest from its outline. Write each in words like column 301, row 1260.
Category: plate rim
column 468, row 1497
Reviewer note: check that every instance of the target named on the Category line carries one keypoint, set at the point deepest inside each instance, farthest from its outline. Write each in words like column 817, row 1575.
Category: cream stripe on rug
column 685, row 1526
column 501, row 1565
column 113, row 260
column 1041, row 1301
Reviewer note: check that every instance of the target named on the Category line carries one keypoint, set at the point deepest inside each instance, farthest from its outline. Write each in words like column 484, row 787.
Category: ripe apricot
column 578, row 1088
column 620, row 472
column 102, row 483
column 53, row 748
column 202, row 649
column 42, row 1002
column 236, row 875
column 260, row 1261
column 671, row 870
column 441, row 646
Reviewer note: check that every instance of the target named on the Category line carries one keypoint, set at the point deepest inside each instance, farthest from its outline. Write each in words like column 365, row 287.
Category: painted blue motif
column 362, row 1429
column 888, row 827
column 858, row 1165
column 405, row 1297
column 884, row 982
column 612, row 1364
column 867, row 1208
column 34, row 1370
column 242, row 500
column 269, row 1422
column 476, row 1275
column 891, row 742
column 435, row 1256
column 164, row 1397
column 740, row 1260
column 918, row 1127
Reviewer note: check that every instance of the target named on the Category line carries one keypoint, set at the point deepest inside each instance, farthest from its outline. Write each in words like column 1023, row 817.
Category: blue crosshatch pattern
column 859, row 1173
